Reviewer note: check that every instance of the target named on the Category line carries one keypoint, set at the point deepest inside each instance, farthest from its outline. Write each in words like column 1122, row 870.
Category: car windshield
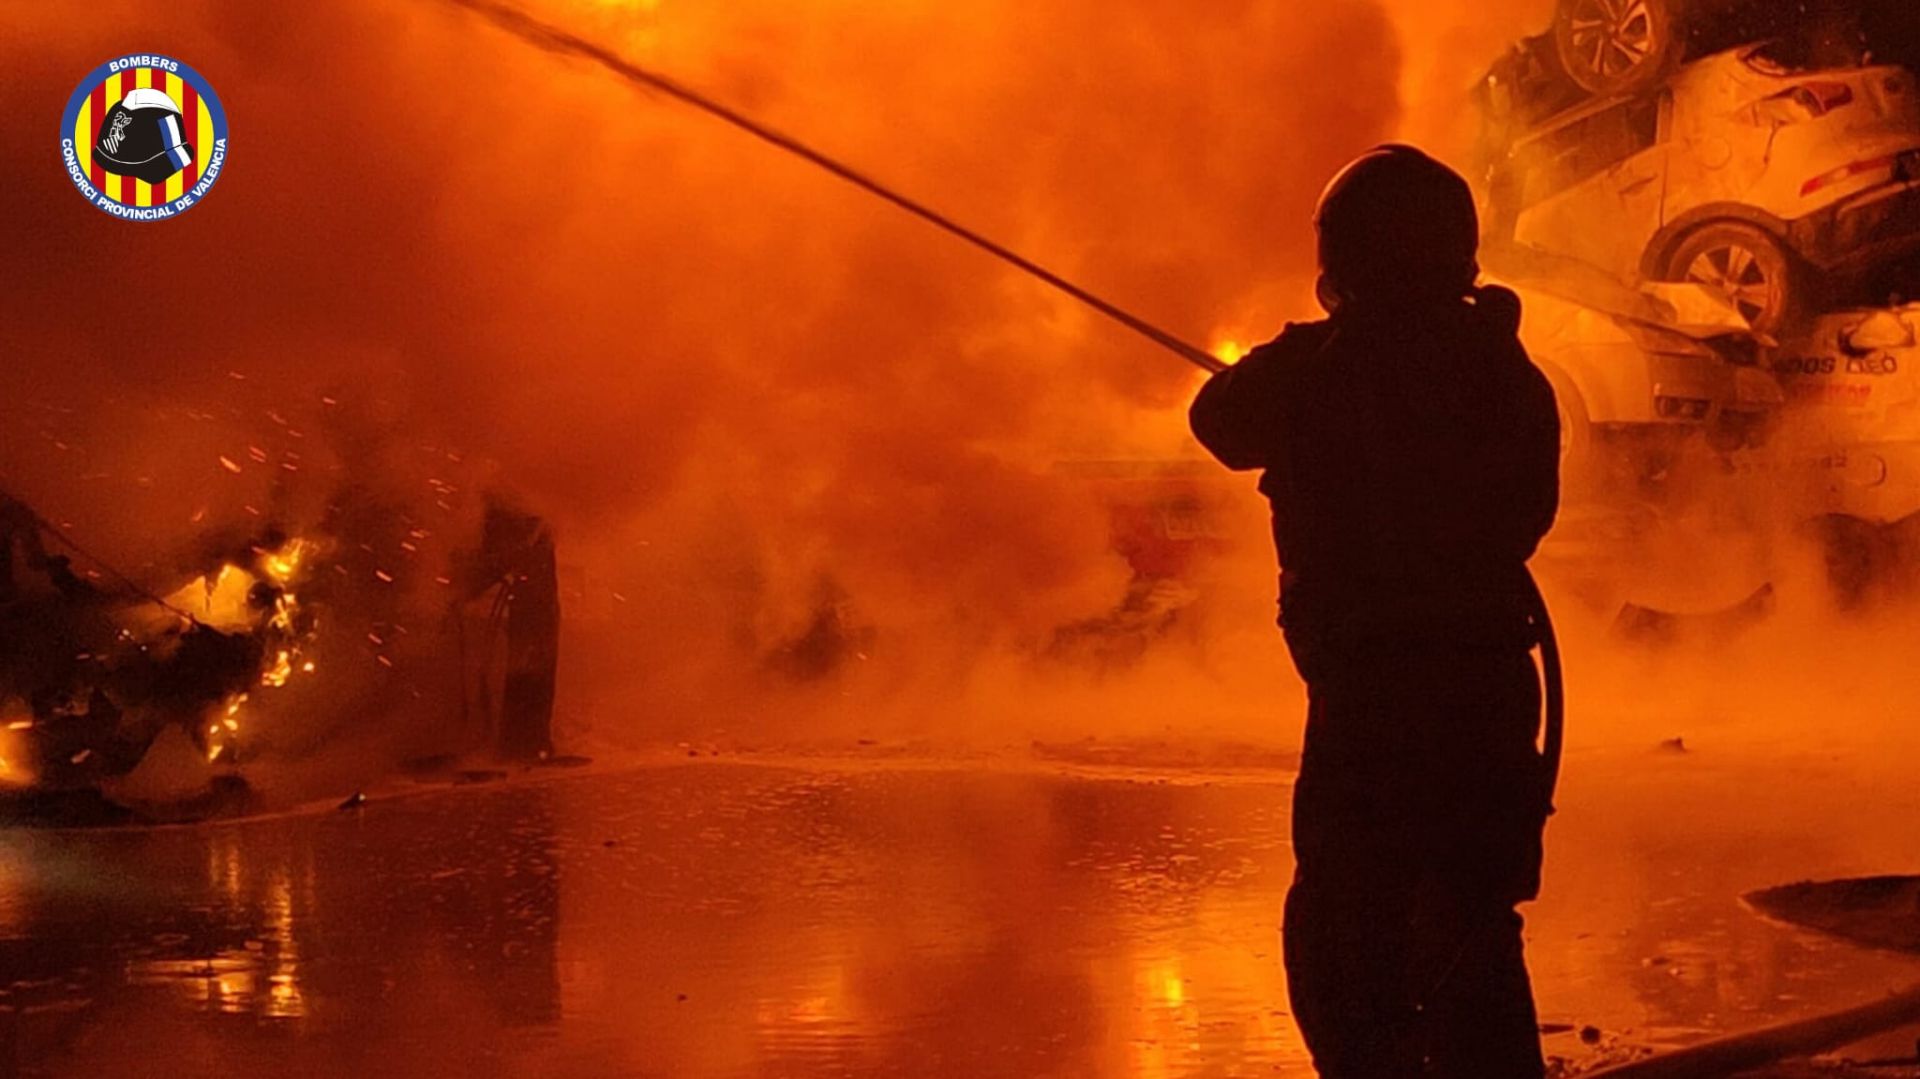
column 1801, row 53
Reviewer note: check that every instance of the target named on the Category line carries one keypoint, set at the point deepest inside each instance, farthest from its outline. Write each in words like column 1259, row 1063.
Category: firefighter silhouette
column 142, row 137
column 1411, row 452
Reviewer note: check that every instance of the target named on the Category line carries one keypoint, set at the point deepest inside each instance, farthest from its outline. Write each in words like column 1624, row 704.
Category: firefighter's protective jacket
column 1411, row 456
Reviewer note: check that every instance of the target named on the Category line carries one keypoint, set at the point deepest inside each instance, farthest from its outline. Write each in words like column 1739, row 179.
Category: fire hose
column 1553, row 735
column 546, row 36
column 59, row 534
column 550, row 38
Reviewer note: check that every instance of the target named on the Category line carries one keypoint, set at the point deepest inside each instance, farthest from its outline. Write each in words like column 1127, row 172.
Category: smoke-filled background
column 761, row 409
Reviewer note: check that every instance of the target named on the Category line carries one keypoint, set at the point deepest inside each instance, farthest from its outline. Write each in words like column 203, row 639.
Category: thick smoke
column 763, row 411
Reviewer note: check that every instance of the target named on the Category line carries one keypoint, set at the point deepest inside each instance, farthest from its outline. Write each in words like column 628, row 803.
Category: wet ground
column 834, row 918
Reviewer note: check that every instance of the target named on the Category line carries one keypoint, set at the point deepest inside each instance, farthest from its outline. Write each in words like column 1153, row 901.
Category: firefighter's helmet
column 1397, row 223
column 142, row 136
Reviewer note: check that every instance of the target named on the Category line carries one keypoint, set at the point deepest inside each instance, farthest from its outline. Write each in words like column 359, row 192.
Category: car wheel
column 1745, row 264
column 1576, row 428
column 1612, row 46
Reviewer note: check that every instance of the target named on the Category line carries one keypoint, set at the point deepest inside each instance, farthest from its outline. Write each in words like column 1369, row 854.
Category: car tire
column 1616, row 46
column 1746, row 264
column 1576, row 428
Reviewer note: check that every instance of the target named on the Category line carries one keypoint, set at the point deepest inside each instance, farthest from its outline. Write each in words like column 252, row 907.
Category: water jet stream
column 553, row 39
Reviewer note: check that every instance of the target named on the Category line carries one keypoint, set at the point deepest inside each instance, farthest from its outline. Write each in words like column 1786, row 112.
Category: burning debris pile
column 92, row 674
column 95, row 669
column 252, row 599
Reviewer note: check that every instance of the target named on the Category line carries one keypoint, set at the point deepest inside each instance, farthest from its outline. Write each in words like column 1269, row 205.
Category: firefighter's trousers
column 1417, row 831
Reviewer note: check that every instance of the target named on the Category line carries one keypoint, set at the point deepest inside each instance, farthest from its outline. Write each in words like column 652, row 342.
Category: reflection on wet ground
column 743, row 920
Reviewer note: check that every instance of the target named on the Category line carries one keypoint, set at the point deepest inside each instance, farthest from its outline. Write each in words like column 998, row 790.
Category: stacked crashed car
column 1781, row 173
column 1764, row 154
column 1601, row 47
column 1655, row 389
column 1642, row 378
column 1852, row 438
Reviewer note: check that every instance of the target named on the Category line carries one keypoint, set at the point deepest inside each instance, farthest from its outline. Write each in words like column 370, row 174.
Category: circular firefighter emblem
column 144, row 137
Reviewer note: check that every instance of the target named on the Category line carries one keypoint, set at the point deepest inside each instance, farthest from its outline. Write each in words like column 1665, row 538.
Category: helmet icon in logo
column 142, row 137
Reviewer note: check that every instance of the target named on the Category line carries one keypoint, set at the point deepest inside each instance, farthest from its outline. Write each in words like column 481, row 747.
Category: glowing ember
column 283, row 613
column 222, row 735
column 1230, row 351
column 282, row 669
column 282, row 565
column 13, row 752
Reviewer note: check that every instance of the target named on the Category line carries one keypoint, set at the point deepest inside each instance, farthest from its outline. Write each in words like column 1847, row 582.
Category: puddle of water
column 740, row 921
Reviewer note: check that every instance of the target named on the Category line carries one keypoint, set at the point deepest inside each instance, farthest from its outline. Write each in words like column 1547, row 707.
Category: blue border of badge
column 214, row 157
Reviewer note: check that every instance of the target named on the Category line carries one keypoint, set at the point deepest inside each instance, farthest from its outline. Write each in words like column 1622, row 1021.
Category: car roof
column 1737, row 59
